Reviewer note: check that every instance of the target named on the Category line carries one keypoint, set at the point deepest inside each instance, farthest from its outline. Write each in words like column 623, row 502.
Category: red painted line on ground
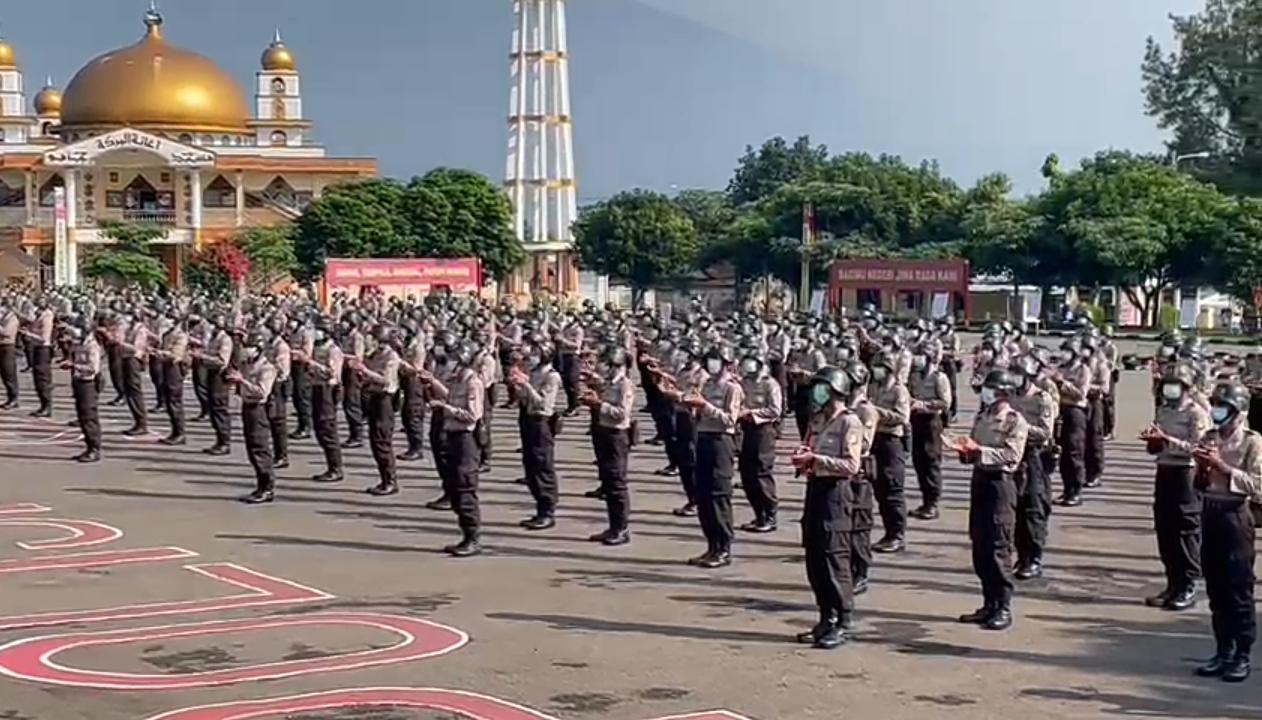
column 264, row 591
column 466, row 704
column 23, row 509
column 32, row 658
column 103, row 558
column 80, row 533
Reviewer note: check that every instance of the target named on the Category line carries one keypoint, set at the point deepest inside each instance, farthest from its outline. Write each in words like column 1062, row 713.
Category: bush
column 127, row 261
column 1168, row 318
column 1094, row 312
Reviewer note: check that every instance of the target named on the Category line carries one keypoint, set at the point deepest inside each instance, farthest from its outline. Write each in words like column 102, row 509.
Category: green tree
column 1239, row 270
column 641, row 237
column 761, row 172
column 1207, row 91
column 354, row 220
column 457, row 213
column 128, row 259
column 271, row 254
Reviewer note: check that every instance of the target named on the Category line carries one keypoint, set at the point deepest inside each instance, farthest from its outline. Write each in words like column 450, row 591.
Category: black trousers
column 612, row 448
column 952, row 370
column 482, row 432
column 258, row 444
column 9, row 371
column 438, row 444
column 42, row 375
column 862, row 520
column 324, row 420
column 1093, row 459
column 1034, row 505
column 381, row 434
column 1255, row 413
column 716, row 455
column 134, row 391
column 1176, row 514
column 757, row 467
column 891, row 474
column 802, row 409
column 538, row 459
column 278, row 419
column 156, row 379
column 173, row 391
column 663, row 413
column 301, row 378
column 827, row 534
column 353, row 404
column 413, row 414
column 201, row 386
column 1227, row 552
column 567, row 365
column 775, row 369
column 114, row 362
column 1073, row 449
column 926, row 456
column 1109, row 404
column 217, row 395
column 87, row 412
column 992, row 512
column 683, row 448
column 460, row 482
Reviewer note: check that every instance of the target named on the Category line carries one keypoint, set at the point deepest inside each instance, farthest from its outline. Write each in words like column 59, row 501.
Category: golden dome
column 153, row 85
column 8, row 58
column 277, row 58
column 48, row 100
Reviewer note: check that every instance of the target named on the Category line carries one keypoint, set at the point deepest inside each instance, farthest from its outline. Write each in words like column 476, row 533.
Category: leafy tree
column 1239, row 270
column 761, row 172
column 641, row 237
column 270, row 251
column 128, row 260
column 457, row 213
column 354, row 220
column 1207, row 93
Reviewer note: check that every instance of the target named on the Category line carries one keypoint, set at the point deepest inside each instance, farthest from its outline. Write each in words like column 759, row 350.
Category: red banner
column 903, row 274
column 412, row 276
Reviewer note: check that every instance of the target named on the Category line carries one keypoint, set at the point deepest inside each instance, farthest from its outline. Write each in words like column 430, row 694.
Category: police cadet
column 159, row 324
column 85, row 376
column 9, row 325
column 199, row 332
column 536, row 394
column 40, row 339
column 1111, row 357
column 280, row 355
column 931, row 401
column 171, row 357
column 379, row 378
column 864, row 497
column 718, row 406
column 411, row 364
column 1098, row 390
column 613, row 409
column 324, row 367
column 133, row 353
column 485, row 364
column 778, row 346
column 462, row 402
column 1229, row 463
column 302, row 345
column 353, row 346
column 684, row 377
column 1034, row 493
column 804, row 361
column 569, row 343
column 830, row 459
column 1251, row 378
column 254, row 381
column 508, row 341
column 760, row 427
column 1073, row 379
column 215, row 359
column 443, row 366
column 950, row 362
column 1180, row 424
column 893, row 407
column 994, row 449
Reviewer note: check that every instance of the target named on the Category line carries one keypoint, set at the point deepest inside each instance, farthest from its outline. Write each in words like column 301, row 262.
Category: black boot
column 441, row 503
column 383, row 489
column 810, row 637
column 1161, row 598
column 1218, row 663
column 1184, row 599
column 258, row 498
column 542, row 521
column 1000, row 618
column 468, row 547
column 1030, row 569
column 328, row 476
column 979, row 616
column 1238, row 667
column 831, row 639
column 890, row 544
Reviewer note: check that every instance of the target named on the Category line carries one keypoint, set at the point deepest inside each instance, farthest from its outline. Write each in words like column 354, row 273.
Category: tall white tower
column 540, row 173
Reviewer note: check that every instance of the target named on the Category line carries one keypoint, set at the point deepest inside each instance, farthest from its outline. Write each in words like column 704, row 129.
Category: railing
column 150, row 217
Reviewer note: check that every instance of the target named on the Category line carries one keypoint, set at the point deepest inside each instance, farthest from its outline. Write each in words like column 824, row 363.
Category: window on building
column 47, row 129
column 225, row 141
column 48, row 189
column 281, row 192
column 278, row 109
column 12, row 196
column 186, row 138
column 219, row 194
column 278, row 86
column 208, row 140
column 279, row 137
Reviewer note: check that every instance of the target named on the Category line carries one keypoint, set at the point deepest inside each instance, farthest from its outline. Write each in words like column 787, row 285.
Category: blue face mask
column 1220, row 414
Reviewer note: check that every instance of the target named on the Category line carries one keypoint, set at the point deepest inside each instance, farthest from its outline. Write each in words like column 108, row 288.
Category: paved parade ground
column 138, row 588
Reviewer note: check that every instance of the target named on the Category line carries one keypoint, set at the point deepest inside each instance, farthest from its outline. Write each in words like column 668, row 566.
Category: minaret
column 15, row 123
column 540, row 172
column 278, row 98
column 47, row 111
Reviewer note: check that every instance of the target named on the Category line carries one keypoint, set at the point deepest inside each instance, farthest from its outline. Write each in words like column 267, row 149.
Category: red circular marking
column 79, row 533
column 33, row 658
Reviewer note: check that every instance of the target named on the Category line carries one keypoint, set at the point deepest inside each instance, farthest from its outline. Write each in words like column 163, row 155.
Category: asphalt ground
column 203, row 602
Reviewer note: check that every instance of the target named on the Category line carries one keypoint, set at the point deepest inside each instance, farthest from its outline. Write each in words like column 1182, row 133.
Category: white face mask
column 879, row 374
column 714, row 367
column 988, row 396
column 749, row 368
column 1172, row 391
column 919, row 362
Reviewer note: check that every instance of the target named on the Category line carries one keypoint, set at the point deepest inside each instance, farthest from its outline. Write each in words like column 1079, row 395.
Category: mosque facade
column 155, row 135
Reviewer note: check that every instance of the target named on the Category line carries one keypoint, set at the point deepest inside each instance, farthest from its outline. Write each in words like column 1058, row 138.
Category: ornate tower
column 15, row 123
column 278, row 99
column 540, row 173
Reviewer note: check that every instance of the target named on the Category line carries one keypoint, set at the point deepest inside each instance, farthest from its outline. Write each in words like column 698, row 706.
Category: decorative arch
column 279, row 138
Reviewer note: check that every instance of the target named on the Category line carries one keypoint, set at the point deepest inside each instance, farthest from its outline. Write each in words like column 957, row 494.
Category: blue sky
column 667, row 93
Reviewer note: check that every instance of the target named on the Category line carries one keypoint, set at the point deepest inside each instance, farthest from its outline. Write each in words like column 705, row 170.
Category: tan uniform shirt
column 1039, row 409
column 539, row 394
column 281, row 356
column 893, row 407
column 86, row 359
column 869, row 417
column 837, row 444
column 8, row 327
column 43, row 328
column 1001, row 432
column 617, row 405
column 1243, row 452
column 932, row 392
column 219, row 353
column 465, row 402
column 382, row 371
column 1074, row 384
column 257, row 381
column 1185, row 423
column 326, row 364
column 763, row 399
column 175, row 346
column 136, row 343
column 723, row 401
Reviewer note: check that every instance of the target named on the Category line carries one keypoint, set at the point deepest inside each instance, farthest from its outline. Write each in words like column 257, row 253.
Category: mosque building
column 155, row 135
